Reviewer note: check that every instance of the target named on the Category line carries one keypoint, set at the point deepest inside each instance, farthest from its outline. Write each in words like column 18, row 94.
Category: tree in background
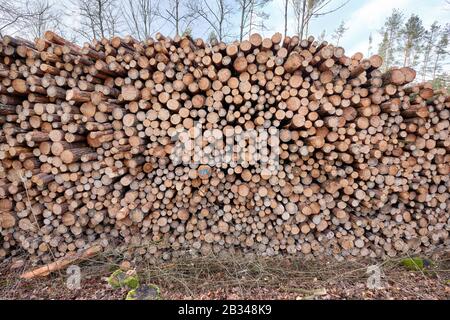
column 412, row 36
column 442, row 82
column 322, row 36
column 17, row 15
column 98, row 19
column 369, row 49
column 258, row 17
column 391, row 32
column 216, row 14
column 339, row 32
column 299, row 7
column 430, row 39
column 244, row 12
column 286, row 9
column 441, row 77
column 440, row 51
column 187, row 32
column 45, row 18
column 212, row 38
column 249, row 12
column 11, row 14
column 383, row 47
column 140, row 17
column 307, row 10
column 178, row 14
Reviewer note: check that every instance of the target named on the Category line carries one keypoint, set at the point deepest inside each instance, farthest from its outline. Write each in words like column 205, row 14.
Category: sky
column 362, row 18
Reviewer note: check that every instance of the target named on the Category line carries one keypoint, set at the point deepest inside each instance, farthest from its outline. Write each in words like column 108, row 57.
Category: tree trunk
column 286, row 2
column 241, row 27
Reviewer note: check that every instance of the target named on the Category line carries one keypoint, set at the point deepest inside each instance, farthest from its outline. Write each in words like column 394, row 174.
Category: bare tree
column 178, row 14
column 244, row 9
column 216, row 14
column 10, row 13
column 258, row 16
column 99, row 18
column 339, row 32
column 141, row 16
column 299, row 13
column 15, row 14
column 44, row 18
column 250, row 12
column 307, row 10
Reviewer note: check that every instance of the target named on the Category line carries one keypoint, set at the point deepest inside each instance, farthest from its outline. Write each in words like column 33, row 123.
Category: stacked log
column 124, row 142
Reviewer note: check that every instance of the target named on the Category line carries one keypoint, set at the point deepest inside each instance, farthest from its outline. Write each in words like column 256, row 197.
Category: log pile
column 90, row 149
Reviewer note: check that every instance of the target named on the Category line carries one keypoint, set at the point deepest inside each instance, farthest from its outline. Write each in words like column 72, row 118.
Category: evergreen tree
column 440, row 52
column 383, row 47
column 430, row 39
column 412, row 36
column 391, row 34
column 212, row 38
column 442, row 82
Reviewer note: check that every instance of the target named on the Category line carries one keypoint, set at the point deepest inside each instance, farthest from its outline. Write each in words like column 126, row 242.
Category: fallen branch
column 62, row 263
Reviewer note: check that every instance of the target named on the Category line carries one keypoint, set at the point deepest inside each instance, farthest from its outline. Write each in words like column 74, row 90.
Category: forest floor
column 240, row 277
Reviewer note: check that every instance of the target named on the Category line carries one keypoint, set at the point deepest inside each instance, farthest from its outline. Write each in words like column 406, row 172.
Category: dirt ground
column 239, row 277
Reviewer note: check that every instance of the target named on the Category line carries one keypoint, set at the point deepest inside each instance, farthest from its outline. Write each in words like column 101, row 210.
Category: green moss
column 144, row 292
column 120, row 279
column 129, row 279
column 131, row 295
column 131, row 282
column 416, row 264
column 116, row 279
